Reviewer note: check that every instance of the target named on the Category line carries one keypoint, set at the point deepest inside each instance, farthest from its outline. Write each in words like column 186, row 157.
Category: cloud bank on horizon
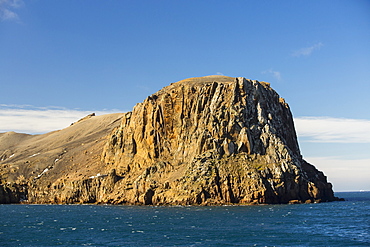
column 39, row 120
column 333, row 130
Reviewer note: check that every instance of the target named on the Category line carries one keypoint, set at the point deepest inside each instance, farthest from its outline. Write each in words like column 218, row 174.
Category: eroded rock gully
column 208, row 140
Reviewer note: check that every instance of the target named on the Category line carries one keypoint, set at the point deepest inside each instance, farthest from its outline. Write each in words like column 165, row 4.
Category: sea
column 342, row 223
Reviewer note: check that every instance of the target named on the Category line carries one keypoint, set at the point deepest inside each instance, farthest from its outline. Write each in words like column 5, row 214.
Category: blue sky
column 61, row 60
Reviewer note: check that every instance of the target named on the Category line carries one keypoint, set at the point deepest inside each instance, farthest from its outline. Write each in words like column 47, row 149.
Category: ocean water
column 325, row 224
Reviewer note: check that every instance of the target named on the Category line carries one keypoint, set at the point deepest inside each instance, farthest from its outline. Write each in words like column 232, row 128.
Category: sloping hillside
column 67, row 154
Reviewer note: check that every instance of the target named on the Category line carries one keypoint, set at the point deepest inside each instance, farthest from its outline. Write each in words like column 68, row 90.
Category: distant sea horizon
column 339, row 191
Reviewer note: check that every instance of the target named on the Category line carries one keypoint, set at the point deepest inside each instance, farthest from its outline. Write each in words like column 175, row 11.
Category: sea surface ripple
column 325, row 224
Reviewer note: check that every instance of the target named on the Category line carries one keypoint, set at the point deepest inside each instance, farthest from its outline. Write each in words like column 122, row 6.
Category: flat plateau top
column 206, row 79
column 197, row 81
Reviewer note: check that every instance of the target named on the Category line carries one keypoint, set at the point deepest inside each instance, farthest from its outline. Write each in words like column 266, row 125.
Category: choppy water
column 325, row 224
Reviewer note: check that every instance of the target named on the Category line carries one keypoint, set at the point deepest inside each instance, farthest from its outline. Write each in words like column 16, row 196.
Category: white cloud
column 333, row 130
column 7, row 9
column 345, row 170
column 306, row 51
column 219, row 73
column 33, row 120
column 6, row 14
column 344, row 174
column 275, row 74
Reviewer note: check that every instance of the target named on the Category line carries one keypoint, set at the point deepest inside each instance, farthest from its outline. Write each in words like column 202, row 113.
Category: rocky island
column 210, row 140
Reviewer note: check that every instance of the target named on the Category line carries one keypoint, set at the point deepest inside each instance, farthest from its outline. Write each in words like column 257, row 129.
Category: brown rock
column 213, row 139
column 208, row 140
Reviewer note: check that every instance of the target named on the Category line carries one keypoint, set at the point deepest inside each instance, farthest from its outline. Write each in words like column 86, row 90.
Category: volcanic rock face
column 212, row 140
column 207, row 140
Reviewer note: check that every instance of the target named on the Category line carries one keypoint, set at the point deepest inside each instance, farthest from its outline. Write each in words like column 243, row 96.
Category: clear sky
column 60, row 60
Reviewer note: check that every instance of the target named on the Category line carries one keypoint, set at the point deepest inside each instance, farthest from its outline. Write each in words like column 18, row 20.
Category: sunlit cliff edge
column 208, row 140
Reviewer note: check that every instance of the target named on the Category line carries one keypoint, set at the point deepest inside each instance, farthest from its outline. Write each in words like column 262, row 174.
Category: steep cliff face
column 212, row 140
column 208, row 140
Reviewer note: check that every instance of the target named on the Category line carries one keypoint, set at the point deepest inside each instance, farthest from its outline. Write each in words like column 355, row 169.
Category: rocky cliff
column 208, row 140
column 212, row 140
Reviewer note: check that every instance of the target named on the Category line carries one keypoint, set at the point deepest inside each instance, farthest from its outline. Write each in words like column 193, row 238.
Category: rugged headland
column 208, row 140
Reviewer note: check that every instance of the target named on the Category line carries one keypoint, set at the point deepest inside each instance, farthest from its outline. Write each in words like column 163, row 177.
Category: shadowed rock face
column 207, row 140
